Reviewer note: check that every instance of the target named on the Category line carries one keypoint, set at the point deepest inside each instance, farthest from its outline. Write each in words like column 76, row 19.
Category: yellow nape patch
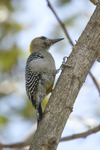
column 31, row 47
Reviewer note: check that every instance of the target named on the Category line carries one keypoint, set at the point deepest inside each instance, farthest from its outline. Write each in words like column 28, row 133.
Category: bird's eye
column 43, row 37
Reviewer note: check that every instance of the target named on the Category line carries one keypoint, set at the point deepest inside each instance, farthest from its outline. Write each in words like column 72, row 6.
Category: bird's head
column 42, row 43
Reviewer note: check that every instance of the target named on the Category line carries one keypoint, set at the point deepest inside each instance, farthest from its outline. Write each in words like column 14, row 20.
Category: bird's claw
column 64, row 64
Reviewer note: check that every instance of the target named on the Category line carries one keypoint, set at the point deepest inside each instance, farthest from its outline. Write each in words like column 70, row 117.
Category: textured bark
column 94, row 1
column 61, row 102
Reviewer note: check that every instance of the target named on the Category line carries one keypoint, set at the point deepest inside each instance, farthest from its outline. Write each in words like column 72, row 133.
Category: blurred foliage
column 70, row 21
column 28, row 111
column 63, row 2
column 7, row 3
column 9, row 58
column 3, row 121
column 9, row 50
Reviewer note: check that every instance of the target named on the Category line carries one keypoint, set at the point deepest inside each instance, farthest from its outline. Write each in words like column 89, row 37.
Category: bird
column 40, row 72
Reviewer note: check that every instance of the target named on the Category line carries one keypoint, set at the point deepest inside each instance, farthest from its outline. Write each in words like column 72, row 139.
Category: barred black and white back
column 32, row 81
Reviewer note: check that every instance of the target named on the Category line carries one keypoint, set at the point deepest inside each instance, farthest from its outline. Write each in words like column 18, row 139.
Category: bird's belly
column 48, row 82
column 49, row 87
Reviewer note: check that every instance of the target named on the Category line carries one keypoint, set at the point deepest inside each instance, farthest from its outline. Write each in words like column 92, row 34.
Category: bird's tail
column 38, row 108
column 39, row 113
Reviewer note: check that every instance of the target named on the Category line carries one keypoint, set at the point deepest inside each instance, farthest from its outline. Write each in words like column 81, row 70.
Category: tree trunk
column 61, row 102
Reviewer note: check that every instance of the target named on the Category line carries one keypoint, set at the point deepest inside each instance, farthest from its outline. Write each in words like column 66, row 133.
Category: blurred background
column 20, row 22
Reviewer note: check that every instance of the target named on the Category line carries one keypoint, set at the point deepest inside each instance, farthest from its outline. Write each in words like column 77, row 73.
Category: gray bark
column 61, row 102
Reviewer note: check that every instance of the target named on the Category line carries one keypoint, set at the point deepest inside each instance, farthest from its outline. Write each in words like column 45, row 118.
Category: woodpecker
column 40, row 72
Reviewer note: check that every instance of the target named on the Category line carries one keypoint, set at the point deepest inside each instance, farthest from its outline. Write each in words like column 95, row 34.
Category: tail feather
column 38, row 108
column 39, row 113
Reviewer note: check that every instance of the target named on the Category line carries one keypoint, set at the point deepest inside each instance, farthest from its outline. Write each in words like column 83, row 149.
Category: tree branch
column 94, row 1
column 16, row 145
column 62, row 24
column 81, row 135
column 95, row 82
column 69, row 83
column 75, row 136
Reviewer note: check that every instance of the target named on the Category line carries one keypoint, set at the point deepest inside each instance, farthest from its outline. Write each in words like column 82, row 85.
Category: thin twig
column 16, row 145
column 81, row 135
column 94, row 80
column 75, row 136
column 70, row 40
column 62, row 24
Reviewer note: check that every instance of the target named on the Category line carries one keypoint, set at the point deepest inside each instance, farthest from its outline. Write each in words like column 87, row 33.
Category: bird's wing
column 32, row 80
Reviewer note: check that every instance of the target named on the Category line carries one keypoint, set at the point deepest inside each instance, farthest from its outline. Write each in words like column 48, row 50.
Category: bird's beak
column 53, row 41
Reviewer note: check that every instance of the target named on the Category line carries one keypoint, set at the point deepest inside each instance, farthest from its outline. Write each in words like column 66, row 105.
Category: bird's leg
column 63, row 65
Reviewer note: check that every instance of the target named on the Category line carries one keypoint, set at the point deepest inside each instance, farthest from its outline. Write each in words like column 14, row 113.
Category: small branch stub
column 94, row 1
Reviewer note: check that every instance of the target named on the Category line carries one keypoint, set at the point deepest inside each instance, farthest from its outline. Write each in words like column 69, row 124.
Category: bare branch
column 62, row 24
column 16, row 145
column 75, row 136
column 94, row 1
column 81, row 135
column 94, row 80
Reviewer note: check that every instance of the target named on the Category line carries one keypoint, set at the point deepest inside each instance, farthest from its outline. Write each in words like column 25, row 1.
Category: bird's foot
column 63, row 65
